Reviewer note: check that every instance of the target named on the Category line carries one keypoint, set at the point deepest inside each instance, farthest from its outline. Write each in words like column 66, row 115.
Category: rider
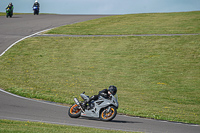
column 36, row 4
column 10, row 6
column 104, row 93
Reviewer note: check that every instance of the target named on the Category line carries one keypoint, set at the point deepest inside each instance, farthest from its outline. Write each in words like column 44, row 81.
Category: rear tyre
column 108, row 116
column 74, row 111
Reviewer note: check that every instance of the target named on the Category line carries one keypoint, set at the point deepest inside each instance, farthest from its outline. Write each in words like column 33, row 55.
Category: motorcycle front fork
column 108, row 109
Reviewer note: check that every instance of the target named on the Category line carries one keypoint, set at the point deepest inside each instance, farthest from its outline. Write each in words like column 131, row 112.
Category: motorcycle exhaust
column 78, row 103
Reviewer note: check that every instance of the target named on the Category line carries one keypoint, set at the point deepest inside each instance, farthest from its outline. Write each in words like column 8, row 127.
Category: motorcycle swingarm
column 90, row 113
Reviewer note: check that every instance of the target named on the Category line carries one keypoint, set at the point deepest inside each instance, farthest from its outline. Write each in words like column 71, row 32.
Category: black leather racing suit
column 103, row 93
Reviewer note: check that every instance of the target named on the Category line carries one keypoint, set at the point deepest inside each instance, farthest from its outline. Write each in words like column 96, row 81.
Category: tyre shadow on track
column 113, row 121
column 16, row 17
column 13, row 17
column 122, row 121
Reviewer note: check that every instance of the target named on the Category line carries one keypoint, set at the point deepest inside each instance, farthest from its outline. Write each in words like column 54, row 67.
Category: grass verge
column 9, row 126
column 149, row 23
column 4, row 14
column 157, row 77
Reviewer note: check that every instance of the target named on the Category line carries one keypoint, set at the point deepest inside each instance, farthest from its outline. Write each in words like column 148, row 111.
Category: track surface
column 18, row 108
column 13, row 29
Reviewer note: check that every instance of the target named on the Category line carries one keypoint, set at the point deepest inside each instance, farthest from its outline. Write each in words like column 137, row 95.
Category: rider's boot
column 84, row 104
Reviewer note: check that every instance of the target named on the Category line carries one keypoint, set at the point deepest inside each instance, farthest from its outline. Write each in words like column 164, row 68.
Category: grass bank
column 4, row 14
column 149, row 23
column 8, row 126
column 157, row 77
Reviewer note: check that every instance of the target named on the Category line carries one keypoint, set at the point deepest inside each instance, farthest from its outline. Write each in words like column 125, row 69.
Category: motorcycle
column 35, row 10
column 9, row 12
column 105, row 109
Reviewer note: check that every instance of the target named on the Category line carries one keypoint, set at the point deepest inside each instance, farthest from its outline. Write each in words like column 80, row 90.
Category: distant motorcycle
column 9, row 12
column 35, row 10
column 105, row 109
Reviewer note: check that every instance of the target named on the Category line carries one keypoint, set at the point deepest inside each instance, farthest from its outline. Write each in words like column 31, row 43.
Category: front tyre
column 108, row 116
column 74, row 111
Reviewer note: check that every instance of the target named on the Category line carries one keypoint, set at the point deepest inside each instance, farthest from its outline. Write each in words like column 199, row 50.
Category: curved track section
column 20, row 26
column 14, row 107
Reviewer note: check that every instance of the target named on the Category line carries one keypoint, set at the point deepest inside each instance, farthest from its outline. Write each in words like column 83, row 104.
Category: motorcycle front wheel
column 74, row 111
column 108, row 116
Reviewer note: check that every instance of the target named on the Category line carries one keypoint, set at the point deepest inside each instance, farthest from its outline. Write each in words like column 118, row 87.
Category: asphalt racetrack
column 14, row 107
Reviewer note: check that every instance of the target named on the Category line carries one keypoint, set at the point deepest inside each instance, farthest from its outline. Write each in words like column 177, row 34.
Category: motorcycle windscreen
column 116, row 97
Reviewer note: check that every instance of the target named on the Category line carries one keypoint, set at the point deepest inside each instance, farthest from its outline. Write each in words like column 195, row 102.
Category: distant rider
column 36, row 4
column 104, row 93
column 10, row 6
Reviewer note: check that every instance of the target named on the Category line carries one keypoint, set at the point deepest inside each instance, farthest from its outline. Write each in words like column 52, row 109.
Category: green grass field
column 8, row 126
column 157, row 77
column 158, row 23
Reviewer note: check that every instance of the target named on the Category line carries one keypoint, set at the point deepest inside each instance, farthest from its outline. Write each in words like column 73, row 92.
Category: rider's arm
column 104, row 93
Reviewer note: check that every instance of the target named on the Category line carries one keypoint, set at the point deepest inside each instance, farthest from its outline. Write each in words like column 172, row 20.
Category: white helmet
column 36, row 1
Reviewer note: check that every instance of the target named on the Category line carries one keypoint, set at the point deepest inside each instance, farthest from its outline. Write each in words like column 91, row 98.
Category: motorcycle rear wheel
column 108, row 116
column 74, row 112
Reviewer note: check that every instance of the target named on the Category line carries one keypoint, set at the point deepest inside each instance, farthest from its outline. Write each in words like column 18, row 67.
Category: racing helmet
column 36, row 1
column 112, row 89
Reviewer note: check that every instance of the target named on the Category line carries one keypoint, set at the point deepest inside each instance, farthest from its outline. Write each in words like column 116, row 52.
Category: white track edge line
column 170, row 122
column 60, row 123
column 32, row 99
column 23, row 39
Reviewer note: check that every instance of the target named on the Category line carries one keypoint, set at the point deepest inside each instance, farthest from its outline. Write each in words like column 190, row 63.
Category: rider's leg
column 95, row 97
